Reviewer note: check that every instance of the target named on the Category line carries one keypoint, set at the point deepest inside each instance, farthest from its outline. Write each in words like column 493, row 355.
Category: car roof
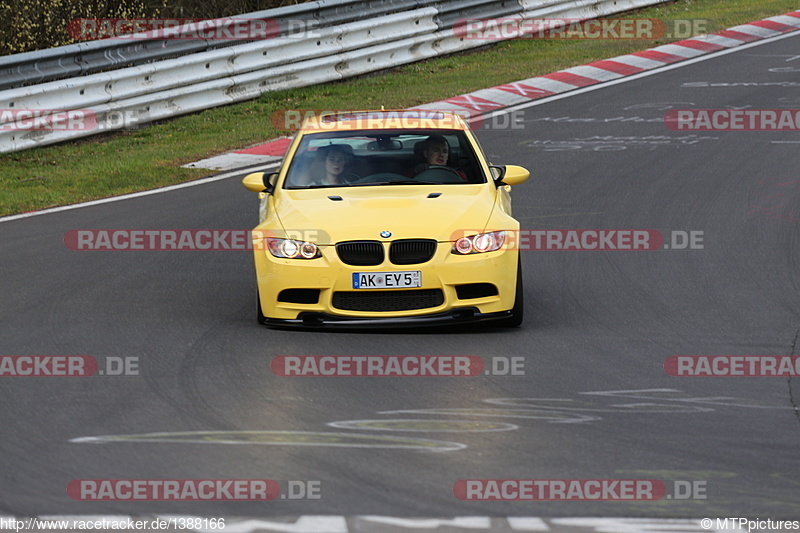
column 384, row 120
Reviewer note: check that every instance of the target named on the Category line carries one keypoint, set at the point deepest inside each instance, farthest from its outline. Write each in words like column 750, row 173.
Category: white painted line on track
column 644, row 74
column 202, row 181
column 538, row 81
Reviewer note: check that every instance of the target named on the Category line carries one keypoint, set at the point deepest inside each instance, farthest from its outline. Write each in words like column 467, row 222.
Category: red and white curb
column 524, row 91
column 260, row 154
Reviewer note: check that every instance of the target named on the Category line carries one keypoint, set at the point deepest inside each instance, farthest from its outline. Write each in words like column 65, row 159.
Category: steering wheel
column 381, row 176
column 444, row 167
column 348, row 178
column 434, row 173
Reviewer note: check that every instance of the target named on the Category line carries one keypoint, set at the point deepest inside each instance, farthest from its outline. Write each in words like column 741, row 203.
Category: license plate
column 387, row 280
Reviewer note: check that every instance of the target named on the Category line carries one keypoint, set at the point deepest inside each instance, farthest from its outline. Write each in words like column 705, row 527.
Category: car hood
column 407, row 211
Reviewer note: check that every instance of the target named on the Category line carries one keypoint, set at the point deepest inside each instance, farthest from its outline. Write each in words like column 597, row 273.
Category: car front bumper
column 467, row 288
column 455, row 317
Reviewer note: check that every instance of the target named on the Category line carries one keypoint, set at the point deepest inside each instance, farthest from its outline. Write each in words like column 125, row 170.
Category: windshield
column 373, row 158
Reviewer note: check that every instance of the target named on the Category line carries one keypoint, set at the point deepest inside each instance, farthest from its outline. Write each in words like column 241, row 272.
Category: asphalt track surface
column 594, row 401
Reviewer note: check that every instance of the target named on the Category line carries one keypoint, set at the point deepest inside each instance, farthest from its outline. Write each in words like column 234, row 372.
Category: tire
column 260, row 316
column 518, row 311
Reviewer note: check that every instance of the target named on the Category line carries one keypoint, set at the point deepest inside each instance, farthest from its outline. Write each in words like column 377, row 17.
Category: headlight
column 291, row 249
column 480, row 243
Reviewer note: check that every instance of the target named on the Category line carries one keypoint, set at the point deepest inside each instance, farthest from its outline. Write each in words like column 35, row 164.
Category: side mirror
column 509, row 174
column 260, row 182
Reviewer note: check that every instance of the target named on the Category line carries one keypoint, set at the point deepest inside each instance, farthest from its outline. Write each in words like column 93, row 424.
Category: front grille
column 396, row 300
column 411, row 251
column 360, row 253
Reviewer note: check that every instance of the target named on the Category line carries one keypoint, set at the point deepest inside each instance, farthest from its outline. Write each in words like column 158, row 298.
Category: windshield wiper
column 407, row 182
column 393, row 182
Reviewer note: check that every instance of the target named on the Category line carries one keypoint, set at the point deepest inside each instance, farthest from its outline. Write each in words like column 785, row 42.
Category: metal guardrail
column 352, row 38
column 108, row 54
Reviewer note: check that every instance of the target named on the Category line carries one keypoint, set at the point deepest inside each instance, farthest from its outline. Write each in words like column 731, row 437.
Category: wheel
column 260, row 316
column 518, row 311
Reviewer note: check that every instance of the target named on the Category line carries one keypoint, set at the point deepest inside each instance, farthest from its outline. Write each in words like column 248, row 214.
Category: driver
column 436, row 151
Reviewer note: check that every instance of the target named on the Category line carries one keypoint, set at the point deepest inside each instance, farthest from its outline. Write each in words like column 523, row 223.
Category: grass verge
column 128, row 161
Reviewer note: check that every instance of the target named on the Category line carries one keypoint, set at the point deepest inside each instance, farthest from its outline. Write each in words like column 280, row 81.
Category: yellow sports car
column 386, row 218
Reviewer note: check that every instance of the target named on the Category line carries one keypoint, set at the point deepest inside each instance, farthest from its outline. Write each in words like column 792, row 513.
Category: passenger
column 329, row 166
